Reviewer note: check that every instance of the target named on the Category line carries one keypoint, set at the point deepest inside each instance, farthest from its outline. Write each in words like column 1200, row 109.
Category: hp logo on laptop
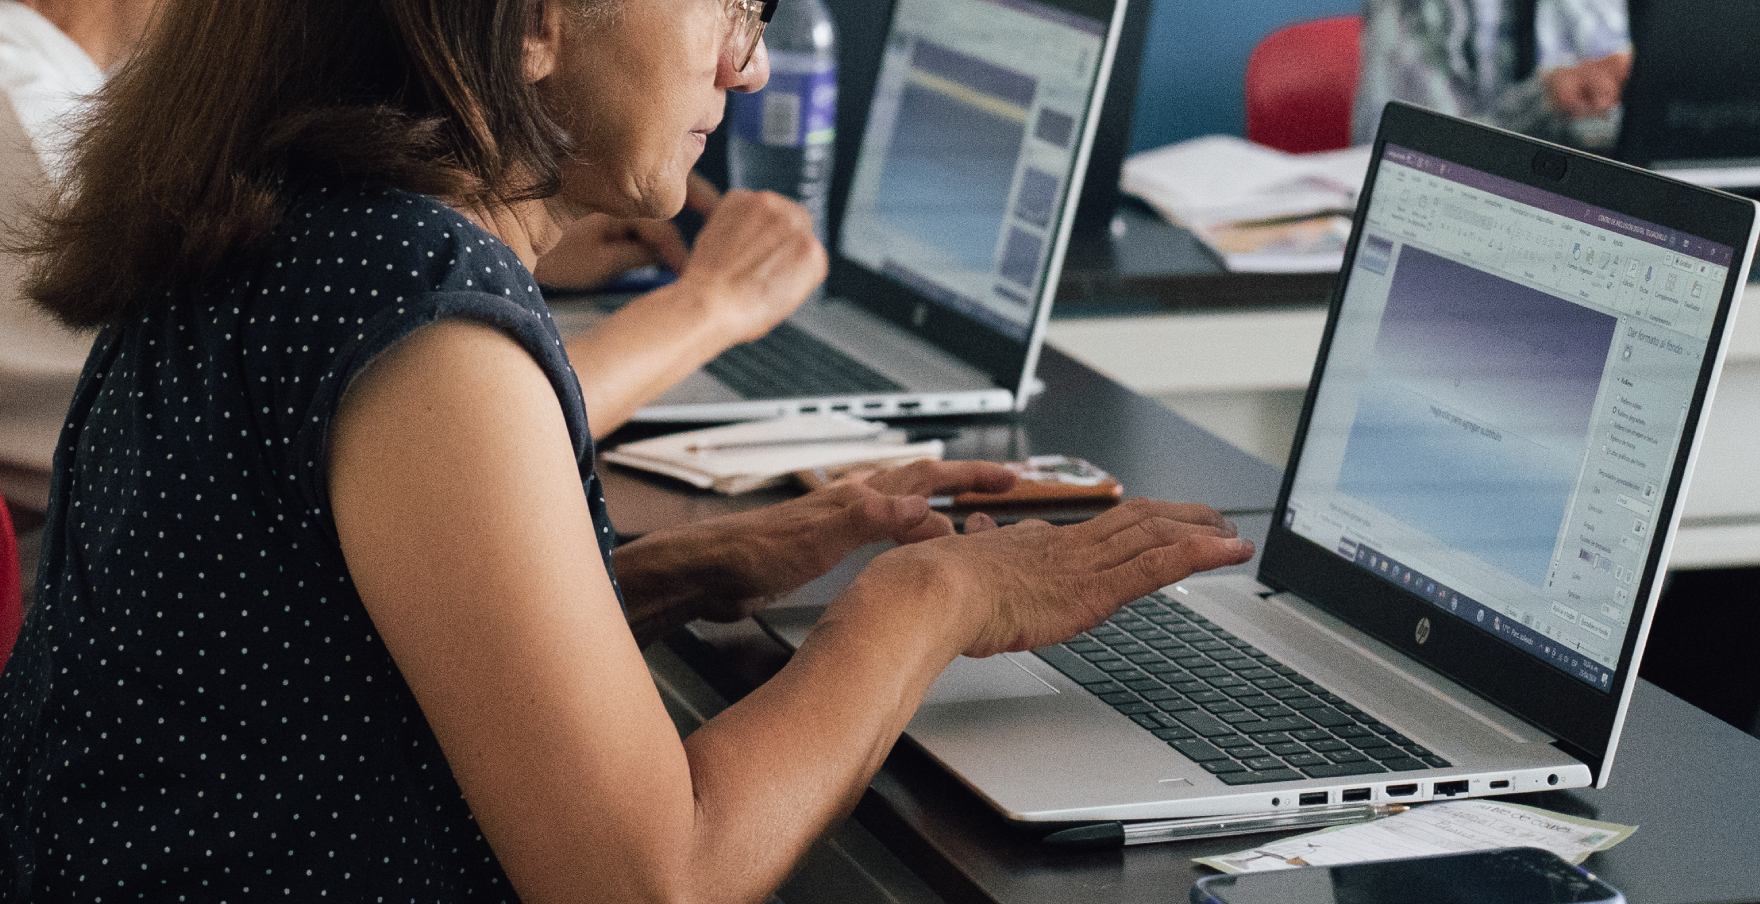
column 1423, row 632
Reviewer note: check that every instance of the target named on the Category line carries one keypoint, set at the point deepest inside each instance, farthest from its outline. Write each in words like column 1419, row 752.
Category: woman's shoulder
column 405, row 241
column 347, row 254
column 352, row 270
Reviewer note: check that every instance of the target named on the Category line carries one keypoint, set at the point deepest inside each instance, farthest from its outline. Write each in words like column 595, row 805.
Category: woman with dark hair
column 330, row 606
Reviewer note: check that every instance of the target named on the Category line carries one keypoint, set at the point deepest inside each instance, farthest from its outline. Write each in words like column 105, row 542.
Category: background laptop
column 953, row 234
column 1692, row 106
column 1471, row 534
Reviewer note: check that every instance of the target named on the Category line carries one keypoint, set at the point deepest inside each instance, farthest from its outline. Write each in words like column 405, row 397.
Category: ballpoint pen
column 1115, row 834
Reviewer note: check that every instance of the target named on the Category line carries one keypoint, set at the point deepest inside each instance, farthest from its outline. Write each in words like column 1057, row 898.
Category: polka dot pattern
column 199, row 708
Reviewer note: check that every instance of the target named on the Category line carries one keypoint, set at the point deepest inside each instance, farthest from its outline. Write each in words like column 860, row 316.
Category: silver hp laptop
column 1472, row 531
column 965, row 186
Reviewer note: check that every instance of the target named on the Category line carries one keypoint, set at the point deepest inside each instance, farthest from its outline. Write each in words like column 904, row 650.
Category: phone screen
column 1510, row 876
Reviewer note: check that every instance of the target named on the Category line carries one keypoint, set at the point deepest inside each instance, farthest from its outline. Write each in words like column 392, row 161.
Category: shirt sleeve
column 1569, row 32
column 1406, row 56
column 306, row 461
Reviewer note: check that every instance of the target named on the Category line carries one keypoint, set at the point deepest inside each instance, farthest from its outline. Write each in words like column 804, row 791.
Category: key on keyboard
column 1236, row 711
column 788, row 361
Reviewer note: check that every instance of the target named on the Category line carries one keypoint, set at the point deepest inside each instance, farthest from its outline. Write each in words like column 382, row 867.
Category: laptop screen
column 971, row 142
column 1505, row 396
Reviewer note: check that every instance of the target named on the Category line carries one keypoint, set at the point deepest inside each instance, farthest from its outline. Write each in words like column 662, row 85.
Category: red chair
column 11, row 588
column 1301, row 80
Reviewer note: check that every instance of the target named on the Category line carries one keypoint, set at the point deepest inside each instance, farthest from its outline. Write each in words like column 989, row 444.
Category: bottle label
column 797, row 108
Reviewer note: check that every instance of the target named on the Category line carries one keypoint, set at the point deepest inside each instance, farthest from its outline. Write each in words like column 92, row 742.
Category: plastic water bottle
column 782, row 137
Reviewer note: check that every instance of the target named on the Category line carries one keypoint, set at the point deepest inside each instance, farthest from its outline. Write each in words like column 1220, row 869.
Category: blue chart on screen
column 961, row 123
column 1476, row 411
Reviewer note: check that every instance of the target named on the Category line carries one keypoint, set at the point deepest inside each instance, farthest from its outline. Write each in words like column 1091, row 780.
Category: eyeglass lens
column 748, row 28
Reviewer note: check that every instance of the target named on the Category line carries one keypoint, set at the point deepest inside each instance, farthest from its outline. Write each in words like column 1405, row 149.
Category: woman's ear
column 543, row 40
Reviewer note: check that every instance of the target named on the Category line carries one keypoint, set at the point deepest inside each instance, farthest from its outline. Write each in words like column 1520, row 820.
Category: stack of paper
column 1260, row 209
column 741, row 457
column 1450, row 827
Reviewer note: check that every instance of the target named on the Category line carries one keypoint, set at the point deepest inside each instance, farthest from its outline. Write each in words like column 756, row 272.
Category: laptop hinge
column 1592, row 760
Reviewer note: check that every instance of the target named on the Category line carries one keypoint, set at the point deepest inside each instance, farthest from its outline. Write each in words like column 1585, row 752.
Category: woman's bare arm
column 461, row 513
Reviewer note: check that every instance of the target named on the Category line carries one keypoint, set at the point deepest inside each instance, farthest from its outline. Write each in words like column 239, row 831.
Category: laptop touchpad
column 992, row 678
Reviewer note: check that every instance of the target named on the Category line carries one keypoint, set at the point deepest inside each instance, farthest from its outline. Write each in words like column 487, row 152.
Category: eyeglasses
column 746, row 20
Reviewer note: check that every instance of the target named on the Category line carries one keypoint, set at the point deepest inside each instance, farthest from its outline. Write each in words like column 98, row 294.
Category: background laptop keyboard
column 788, row 361
column 1236, row 711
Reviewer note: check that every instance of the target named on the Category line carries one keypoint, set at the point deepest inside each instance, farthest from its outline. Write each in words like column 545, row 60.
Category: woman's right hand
column 754, row 262
column 1031, row 584
column 1590, row 88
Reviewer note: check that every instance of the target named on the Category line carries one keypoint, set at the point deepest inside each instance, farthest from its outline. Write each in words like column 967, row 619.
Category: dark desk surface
column 1143, row 264
column 1684, row 778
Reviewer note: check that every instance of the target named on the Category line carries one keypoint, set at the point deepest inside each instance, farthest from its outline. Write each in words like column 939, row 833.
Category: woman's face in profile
column 639, row 89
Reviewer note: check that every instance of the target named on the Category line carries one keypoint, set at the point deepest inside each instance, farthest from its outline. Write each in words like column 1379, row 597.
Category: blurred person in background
column 1553, row 69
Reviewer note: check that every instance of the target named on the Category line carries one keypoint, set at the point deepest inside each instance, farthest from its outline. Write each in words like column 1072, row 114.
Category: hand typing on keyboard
column 753, row 264
column 1031, row 584
column 738, row 563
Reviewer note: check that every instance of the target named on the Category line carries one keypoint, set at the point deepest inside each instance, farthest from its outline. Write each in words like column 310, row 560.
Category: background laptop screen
column 1503, row 404
column 971, row 142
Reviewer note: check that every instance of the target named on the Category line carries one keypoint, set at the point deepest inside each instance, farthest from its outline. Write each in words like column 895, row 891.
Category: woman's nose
column 755, row 75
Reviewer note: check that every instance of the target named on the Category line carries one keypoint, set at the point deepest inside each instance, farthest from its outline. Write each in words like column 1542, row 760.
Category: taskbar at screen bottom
column 1512, row 631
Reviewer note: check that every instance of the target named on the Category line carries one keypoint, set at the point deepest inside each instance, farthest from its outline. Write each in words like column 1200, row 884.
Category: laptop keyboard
column 1236, row 711
column 788, row 361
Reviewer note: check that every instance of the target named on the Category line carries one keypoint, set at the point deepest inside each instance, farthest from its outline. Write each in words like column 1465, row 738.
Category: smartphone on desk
column 1043, row 480
column 1060, row 489
column 1506, row 876
column 1046, row 480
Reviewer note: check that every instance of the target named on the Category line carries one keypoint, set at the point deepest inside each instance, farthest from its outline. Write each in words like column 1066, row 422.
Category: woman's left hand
column 738, row 563
column 599, row 247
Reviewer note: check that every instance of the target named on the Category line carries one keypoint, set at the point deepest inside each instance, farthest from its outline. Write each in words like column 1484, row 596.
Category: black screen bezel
column 1582, row 718
column 998, row 355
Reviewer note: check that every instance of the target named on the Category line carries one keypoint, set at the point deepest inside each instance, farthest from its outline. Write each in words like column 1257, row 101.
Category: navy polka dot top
column 199, row 708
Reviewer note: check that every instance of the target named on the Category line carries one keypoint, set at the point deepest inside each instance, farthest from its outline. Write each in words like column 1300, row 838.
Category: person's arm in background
column 598, row 247
column 1419, row 52
column 1582, row 57
column 1591, row 88
column 1584, row 54
column 754, row 262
